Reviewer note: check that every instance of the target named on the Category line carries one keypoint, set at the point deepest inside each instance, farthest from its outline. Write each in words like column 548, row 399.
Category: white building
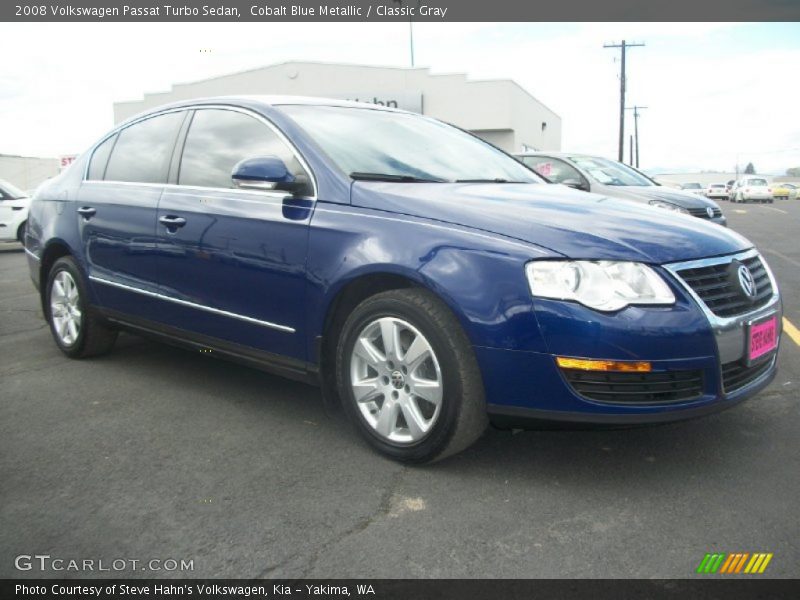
column 498, row 110
column 26, row 172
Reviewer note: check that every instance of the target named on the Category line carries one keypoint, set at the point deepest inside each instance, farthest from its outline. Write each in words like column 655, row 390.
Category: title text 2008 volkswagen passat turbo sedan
column 428, row 281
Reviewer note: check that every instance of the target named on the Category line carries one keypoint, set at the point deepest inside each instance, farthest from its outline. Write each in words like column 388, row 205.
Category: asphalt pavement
column 156, row 453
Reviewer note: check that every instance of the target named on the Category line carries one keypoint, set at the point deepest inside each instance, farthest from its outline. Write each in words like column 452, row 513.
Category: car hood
column 681, row 198
column 568, row 222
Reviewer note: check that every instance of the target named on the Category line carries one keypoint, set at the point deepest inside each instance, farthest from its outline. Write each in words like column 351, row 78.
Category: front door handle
column 87, row 212
column 172, row 222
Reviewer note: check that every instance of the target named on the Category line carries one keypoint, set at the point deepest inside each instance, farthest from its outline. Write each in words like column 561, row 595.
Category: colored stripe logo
column 735, row 562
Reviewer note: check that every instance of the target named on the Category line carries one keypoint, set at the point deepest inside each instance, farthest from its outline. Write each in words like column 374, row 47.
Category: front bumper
column 686, row 338
column 722, row 220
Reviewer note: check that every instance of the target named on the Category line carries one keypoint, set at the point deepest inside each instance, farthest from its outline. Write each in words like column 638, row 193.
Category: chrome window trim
column 203, row 307
column 186, row 189
column 717, row 321
column 300, row 158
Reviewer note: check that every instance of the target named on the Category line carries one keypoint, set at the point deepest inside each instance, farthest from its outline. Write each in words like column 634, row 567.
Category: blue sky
column 716, row 92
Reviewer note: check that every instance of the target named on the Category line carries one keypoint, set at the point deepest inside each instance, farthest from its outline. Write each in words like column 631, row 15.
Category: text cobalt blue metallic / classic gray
column 429, row 282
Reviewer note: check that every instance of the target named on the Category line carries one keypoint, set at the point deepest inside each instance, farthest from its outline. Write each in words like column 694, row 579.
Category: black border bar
column 729, row 588
column 393, row 10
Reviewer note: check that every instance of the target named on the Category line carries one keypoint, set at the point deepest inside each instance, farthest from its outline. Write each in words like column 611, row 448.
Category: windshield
column 610, row 172
column 11, row 192
column 393, row 146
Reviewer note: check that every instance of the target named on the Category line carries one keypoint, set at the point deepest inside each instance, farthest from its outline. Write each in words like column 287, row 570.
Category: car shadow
column 567, row 457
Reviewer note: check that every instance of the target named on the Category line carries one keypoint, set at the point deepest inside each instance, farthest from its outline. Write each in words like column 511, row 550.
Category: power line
column 622, row 46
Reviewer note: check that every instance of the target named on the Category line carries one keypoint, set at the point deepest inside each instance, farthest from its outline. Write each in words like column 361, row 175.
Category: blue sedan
column 427, row 281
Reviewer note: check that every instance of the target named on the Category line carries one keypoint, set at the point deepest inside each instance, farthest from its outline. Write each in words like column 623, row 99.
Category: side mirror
column 576, row 184
column 263, row 173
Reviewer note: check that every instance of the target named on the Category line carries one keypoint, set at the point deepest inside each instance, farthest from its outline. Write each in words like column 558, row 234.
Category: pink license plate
column 763, row 338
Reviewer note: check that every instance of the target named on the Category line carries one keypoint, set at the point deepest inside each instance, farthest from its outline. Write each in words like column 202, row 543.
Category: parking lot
column 156, row 453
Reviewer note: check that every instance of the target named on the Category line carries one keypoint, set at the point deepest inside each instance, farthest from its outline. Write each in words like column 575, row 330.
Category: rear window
column 755, row 182
column 143, row 150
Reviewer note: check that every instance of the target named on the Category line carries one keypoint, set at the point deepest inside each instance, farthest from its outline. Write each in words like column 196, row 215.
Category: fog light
column 603, row 365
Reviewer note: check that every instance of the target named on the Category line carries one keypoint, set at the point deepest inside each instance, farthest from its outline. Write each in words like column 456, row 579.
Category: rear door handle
column 87, row 212
column 172, row 222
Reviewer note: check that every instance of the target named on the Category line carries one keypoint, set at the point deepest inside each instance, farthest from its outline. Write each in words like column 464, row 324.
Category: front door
column 232, row 261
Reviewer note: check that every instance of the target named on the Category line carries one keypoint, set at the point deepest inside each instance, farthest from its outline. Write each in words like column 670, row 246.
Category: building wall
column 488, row 106
column 701, row 178
column 27, row 172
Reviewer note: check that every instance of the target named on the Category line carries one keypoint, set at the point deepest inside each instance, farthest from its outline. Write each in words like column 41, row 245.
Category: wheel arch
column 350, row 293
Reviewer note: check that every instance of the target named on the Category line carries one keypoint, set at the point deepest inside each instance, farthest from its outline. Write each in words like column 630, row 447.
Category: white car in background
column 14, row 204
column 751, row 188
column 693, row 188
column 717, row 190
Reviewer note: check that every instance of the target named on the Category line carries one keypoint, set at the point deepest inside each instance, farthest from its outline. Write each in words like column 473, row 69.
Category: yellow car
column 785, row 190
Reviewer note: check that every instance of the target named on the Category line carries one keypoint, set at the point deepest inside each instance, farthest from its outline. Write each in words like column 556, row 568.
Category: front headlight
column 668, row 206
column 601, row 285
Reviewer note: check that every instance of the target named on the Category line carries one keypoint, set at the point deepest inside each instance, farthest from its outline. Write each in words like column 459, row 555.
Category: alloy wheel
column 396, row 380
column 65, row 308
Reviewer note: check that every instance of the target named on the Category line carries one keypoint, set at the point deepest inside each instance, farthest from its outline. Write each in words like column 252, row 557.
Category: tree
column 749, row 169
column 793, row 172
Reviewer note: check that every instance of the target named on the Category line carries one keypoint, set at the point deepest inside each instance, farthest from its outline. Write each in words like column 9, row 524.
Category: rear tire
column 417, row 397
column 77, row 330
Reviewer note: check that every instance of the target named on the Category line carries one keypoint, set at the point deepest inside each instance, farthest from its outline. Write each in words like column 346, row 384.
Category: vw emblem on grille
column 747, row 282
column 710, row 212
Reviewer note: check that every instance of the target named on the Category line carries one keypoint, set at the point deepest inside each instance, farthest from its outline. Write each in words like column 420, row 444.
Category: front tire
column 21, row 232
column 408, row 377
column 77, row 331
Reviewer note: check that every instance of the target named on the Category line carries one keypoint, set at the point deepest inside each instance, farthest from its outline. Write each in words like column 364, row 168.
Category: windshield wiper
column 495, row 180
column 358, row 176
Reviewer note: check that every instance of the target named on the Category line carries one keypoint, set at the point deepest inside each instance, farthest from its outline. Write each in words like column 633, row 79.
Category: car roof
column 267, row 101
column 558, row 154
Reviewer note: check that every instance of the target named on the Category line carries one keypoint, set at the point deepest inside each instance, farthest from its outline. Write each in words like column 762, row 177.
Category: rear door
column 232, row 261
column 116, row 211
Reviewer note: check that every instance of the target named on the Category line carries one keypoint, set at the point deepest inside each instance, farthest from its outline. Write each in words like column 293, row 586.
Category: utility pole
column 410, row 30
column 622, row 46
column 636, row 110
column 630, row 154
column 411, row 40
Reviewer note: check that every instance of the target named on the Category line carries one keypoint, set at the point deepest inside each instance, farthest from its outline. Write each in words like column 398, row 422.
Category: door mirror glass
column 263, row 173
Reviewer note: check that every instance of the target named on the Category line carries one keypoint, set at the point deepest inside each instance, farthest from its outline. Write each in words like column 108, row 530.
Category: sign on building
column 410, row 101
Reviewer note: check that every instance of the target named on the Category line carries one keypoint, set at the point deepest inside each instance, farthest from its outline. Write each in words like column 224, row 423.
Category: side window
column 555, row 170
column 97, row 166
column 144, row 149
column 218, row 139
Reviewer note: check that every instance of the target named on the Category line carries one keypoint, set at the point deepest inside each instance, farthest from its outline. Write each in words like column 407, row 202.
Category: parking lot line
column 775, row 209
column 740, row 211
column 788, row 259
column 791, row 331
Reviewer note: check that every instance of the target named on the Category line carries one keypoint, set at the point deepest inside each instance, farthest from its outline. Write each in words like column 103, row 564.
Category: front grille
column 736, row 375
column 718, row 286
column 636, row 388
column 703, row 213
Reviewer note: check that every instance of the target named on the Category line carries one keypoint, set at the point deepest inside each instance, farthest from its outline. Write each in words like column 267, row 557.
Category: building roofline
column 466, row 77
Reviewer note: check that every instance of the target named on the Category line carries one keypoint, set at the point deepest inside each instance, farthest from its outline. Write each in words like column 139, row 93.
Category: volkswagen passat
column 426, row 280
